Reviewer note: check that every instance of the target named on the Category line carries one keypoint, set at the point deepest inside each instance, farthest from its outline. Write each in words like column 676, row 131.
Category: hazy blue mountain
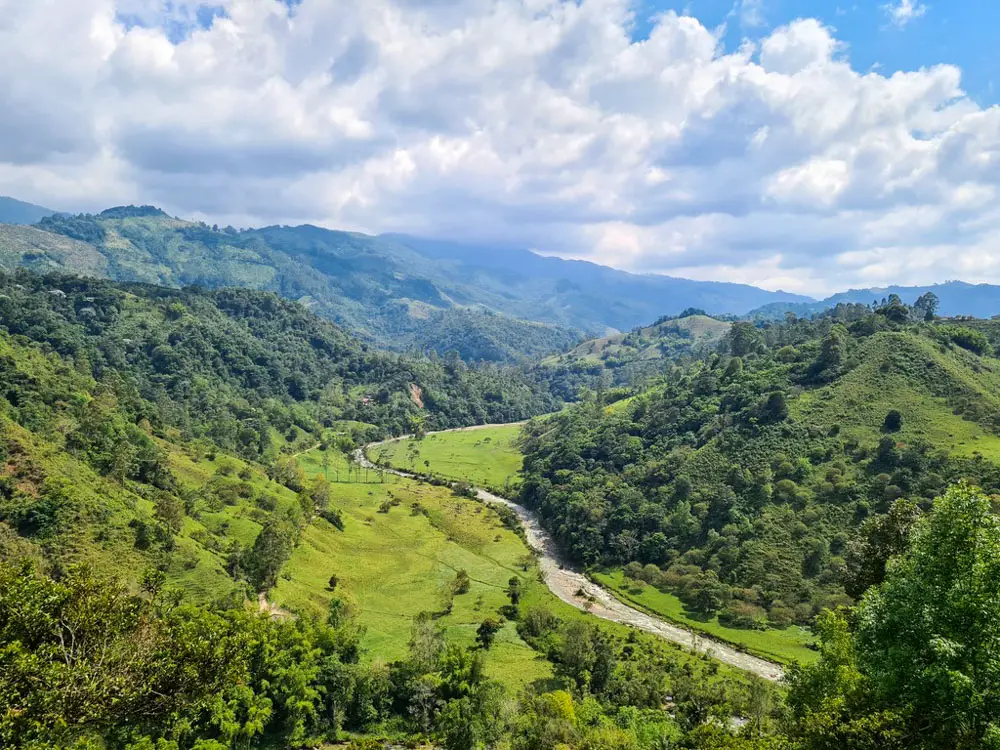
column 13, row 211
column 584, row 295
column 957, row 298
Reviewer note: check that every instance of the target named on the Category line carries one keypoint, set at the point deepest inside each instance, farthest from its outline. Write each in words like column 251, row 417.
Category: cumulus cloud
column 904, row 11
column 540, row 123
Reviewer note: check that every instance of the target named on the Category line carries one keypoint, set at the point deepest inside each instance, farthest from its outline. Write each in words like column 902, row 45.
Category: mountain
column 13, row 211
column 398, row 292
column 626, row 359
column 957, row 298
column 746, row 484
column 586, row 295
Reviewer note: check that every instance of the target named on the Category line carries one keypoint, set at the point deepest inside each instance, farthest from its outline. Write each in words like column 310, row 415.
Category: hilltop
column 666, row 340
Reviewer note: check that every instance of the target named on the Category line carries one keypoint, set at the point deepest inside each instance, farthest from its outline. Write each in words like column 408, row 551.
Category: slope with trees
column 399, row 292
column 756, row 486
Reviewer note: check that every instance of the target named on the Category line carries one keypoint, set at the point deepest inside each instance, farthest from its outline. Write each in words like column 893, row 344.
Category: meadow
column 402, row 546
column 484, row 456
column 783, row 645
column 473, row 455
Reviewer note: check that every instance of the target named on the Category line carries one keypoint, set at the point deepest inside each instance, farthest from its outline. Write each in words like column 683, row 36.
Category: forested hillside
column 398, row 292
column 152, row 482
column 167, row 455
column 773, row 480
column 234, row 364
column 630, row 358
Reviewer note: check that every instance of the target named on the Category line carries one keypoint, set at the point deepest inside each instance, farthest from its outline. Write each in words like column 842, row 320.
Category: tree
column 921, row 669
column 832, row 353
column 514, row 590
column 927, row 637
column 487, row 632
column 462, row 582
column 153, row 580
column 734, row 369
column 271, row 549
column 774, row 408
column 926, row 306
column 744, row 339
column 893, row 422
column 879, row 539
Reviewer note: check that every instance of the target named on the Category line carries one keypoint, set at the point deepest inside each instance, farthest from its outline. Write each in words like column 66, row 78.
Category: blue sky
column 960, row 32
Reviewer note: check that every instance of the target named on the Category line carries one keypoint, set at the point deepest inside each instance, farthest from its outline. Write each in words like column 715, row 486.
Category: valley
column 657, row 539
column 601, row 594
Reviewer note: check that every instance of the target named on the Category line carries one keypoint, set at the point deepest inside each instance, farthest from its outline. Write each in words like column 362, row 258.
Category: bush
column 744, row 615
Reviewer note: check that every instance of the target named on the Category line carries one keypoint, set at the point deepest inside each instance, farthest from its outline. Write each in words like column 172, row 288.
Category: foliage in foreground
column 916, row 665
column 86, row 663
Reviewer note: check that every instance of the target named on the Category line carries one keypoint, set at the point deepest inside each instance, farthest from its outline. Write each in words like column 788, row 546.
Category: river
column 565, row 581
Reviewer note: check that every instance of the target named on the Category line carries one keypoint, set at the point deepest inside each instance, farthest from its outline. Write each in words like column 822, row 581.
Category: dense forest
column 768, row 481
column 234, row 364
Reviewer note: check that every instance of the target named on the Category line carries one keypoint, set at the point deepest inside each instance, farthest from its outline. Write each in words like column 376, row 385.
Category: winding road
column 564, row 581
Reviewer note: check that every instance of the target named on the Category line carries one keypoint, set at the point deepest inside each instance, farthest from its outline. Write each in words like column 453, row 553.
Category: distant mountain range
column 13, row 211
column 397, row 291
column 956, row 297
column 403, row 292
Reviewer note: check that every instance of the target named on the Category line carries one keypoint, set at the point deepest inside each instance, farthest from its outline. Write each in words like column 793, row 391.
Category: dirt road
column 565, row 582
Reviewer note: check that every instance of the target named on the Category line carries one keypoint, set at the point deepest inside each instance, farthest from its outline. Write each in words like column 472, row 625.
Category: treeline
column 759, row 483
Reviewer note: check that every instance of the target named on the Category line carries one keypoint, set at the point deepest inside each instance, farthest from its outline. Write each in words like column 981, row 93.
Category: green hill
column 166, row 454
column 398, row 292
column 668, row 339
column 751, row 485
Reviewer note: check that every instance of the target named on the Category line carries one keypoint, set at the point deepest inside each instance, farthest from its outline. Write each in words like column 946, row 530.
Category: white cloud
column 904, row 11
column 532, row 122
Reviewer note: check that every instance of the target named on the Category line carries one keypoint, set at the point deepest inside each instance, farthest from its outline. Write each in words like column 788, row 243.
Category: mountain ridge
column 14, row 211
column 373, row 284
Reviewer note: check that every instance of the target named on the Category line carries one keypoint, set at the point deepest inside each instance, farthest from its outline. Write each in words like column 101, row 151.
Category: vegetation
column 233, row 365
column 189, row 560
column 629, row 357
column 742, row 483
column 398, row 292
column 918, row 666
column 137, row 532
column 486, row 457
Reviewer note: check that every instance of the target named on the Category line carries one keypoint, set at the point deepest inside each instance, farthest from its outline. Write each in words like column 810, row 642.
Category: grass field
column 785, row 645
column 393, row 566
column 468, row 455
column 487, row 457
column 198, row 571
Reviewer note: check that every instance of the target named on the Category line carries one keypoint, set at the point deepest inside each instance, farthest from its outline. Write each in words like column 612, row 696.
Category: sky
column 805, row 145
